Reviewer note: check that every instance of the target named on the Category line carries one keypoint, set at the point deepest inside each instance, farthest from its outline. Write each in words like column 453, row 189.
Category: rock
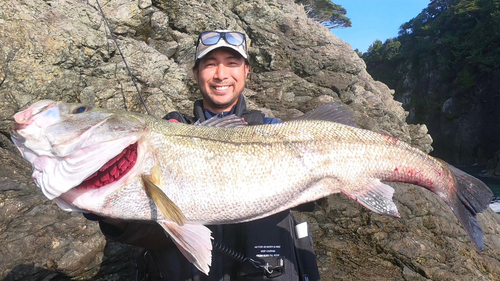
column 464, row 124
column 494, row 164
column 424, row 244
column 62, row 50
column 38, row 240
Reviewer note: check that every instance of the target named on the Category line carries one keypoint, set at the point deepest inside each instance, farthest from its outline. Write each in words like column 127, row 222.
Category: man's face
column 221, row 78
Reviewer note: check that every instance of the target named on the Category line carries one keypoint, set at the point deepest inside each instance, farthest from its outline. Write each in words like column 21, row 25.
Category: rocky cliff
column 63, row 50
column 464, row 126
column 444, row 67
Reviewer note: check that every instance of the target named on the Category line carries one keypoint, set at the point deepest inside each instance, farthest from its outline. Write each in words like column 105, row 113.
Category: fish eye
column 81, row 109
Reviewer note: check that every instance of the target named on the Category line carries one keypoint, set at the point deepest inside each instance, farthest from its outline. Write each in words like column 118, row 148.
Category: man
column 265, row 249
column 221, row 68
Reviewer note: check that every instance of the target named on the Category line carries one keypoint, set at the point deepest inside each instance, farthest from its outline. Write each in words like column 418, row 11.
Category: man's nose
column 221, row 72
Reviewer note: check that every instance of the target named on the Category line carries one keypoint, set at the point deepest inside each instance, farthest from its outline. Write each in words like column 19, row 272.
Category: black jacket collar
column 199, row 112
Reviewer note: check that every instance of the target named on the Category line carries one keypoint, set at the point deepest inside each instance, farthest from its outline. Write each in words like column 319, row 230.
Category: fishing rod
column 123, row 57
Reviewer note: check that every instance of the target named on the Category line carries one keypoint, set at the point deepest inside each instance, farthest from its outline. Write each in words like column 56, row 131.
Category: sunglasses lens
column 210, row 38
column 235, row 38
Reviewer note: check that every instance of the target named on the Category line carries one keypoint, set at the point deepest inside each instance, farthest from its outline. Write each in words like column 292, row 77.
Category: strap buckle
column 270, row 270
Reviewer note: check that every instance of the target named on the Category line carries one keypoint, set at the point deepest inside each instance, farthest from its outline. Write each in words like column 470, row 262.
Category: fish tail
column 472, row 197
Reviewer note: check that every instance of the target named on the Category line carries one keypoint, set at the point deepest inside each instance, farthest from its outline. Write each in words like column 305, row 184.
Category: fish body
column 104, row 162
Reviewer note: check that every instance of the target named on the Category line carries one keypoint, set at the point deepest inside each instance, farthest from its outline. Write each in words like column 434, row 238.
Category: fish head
column 68, row 143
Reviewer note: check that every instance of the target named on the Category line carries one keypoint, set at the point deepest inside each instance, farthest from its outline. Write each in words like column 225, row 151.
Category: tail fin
column 473, row 196
column 472, row 192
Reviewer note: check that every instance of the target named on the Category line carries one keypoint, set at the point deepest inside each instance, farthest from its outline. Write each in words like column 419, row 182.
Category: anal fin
column 377, row 197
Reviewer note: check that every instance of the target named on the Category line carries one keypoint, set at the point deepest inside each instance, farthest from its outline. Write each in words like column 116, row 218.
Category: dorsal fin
column 332, row 112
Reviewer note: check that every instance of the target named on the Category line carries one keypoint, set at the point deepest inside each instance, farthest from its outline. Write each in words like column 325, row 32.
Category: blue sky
column 376, row 19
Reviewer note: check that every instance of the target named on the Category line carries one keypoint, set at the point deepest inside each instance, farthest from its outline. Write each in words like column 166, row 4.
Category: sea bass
column 131, row 166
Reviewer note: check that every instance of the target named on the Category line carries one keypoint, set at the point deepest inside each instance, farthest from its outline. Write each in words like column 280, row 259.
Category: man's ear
column 247, row 70
column 195, row 73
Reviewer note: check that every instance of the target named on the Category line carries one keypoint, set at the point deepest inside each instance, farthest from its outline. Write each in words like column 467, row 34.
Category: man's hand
column 116, row 224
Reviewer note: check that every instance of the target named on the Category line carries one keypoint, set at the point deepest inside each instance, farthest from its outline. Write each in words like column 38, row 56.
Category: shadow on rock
column 118, row 263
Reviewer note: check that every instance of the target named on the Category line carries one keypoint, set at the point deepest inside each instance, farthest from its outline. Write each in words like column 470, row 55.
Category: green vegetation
column 326, row 12
column 457, row 40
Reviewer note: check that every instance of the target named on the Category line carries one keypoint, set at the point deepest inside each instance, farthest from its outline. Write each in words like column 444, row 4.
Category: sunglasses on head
column 210, row 38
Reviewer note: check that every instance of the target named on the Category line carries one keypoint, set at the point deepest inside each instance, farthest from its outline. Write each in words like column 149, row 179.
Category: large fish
column 132, row 166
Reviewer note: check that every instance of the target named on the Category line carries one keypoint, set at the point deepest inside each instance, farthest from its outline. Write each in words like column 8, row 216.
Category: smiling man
column 221, row 76
column 221, row 69
column 273, row 248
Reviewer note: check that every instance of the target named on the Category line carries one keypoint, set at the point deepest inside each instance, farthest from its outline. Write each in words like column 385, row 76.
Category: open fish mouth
column 113, row 170
column 76, row 146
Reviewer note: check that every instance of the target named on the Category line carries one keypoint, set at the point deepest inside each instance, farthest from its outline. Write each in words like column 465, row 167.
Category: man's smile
column 221, row 88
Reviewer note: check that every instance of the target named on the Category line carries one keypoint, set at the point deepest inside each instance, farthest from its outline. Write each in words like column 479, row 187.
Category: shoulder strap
column 198, row 112
column 253, row 117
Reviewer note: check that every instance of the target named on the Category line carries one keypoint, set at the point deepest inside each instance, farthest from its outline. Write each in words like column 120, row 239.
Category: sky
column 376, row 19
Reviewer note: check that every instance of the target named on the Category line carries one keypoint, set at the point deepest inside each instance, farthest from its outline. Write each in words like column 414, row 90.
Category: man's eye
column 81, row 109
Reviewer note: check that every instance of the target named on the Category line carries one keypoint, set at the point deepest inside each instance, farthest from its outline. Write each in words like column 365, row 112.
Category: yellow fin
column 167, row 208
column 156, row 175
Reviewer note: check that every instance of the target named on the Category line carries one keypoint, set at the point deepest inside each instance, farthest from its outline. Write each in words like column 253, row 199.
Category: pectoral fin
column 230, row 121
column 167, row 208
column 194, row 242
column 377, row 197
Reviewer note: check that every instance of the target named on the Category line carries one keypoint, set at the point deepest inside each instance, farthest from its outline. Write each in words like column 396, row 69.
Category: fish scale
column 288, row 181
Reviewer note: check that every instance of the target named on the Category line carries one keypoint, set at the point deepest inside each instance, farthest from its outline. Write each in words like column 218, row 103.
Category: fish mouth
column 26, row 117
column 113, row 170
